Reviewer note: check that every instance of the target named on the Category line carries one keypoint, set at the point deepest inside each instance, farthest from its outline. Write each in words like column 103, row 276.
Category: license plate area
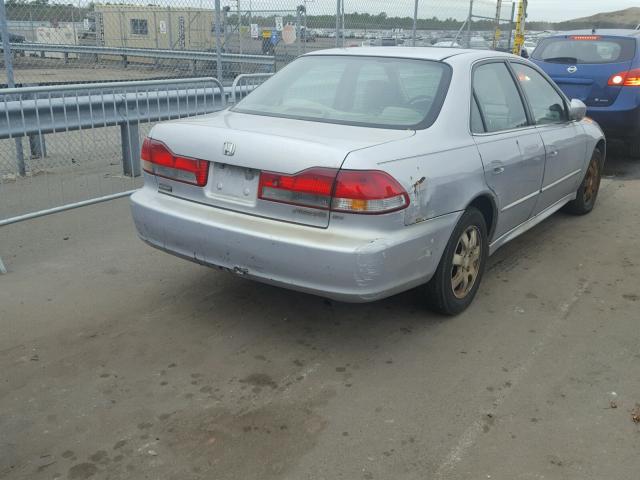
column 230, row 183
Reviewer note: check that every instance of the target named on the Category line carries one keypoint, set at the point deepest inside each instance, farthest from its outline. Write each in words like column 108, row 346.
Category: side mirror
column 577, row 110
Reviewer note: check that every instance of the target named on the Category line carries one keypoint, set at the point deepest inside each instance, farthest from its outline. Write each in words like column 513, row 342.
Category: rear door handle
column 553, row 153
column 498, row 170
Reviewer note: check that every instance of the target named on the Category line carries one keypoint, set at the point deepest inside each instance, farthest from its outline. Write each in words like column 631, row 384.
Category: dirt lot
column 118, row 361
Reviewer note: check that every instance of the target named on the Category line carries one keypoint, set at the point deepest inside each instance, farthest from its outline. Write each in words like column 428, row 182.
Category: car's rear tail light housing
column 368, row 191
column 352, row 191
column 158, row 159
column 630, row 78
column 309, row 188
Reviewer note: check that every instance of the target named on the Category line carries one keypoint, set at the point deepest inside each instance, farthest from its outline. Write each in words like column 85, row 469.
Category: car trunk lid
column 582, row 65
column 588, row 83
column 240, row 146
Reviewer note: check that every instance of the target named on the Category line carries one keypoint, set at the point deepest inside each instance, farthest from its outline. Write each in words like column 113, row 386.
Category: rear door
column 564, row 142
column 511, row 149
column 582, row 65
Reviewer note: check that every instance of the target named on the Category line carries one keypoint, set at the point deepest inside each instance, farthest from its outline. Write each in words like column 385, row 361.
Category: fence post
column 130, row 137
column 513, row 17
column 337, row 23
column 415, row 23
column 218, row 45
column 8, row 64
column 469, row 18
column 37, row 146
column 298, row 30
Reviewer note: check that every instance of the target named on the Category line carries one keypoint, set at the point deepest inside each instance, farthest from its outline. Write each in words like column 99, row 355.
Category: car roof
column 423, row 53
column 612, row 32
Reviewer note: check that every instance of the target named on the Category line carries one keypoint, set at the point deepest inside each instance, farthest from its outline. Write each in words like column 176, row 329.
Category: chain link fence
column 83, row 42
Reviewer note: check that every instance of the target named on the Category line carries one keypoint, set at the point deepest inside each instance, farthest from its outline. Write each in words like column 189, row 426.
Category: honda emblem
column 229, row 149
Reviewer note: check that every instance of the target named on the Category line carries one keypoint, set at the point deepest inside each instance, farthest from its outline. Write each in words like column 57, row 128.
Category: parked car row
column 359, row 173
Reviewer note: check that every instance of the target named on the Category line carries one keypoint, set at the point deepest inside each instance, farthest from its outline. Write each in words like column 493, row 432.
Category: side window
column 477, row 125
column 139, row 26
column 547, row 105
column 498, row 97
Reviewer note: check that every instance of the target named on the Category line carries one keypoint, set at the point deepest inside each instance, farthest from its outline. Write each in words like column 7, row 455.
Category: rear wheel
column 456, row 281
column 588, row 190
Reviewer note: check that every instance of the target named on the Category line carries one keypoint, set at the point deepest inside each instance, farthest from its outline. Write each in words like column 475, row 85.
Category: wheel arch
column 486, row 204
column 602, row 146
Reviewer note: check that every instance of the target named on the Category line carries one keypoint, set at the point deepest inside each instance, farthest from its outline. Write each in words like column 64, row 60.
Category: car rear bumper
column 339, row 264
column 617, row 121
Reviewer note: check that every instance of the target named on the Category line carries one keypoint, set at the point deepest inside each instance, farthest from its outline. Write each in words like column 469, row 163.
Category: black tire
column 588, row 191
column 440, row 290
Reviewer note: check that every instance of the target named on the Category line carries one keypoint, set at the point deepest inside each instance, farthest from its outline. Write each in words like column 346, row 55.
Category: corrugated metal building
column 154, row 27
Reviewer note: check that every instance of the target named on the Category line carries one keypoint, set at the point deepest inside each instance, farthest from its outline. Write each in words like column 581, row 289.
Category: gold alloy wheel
column 466, row 262
column 591, row 181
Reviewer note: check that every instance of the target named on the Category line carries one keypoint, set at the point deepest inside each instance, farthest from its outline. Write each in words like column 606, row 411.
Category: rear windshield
column 352, row 90
column 573, row 51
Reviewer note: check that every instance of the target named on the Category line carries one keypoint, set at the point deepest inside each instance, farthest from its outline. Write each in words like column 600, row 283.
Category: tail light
column 158, row 160
column 353, row 191
column 309, row 188
column 630, row 78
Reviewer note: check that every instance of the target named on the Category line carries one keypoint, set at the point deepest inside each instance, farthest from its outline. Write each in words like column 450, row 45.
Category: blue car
column 601, row 68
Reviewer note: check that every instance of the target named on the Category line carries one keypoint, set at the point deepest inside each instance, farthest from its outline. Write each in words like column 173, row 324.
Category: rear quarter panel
column 440, row 167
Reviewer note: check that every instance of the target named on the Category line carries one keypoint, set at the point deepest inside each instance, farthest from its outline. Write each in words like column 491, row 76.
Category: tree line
column 43, row 10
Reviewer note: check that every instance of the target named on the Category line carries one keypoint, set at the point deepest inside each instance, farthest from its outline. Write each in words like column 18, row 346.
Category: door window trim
column 505, row 61
column 551, row 83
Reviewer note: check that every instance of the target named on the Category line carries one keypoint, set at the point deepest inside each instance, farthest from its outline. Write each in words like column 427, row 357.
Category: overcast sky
column 549, row 10
column 557, row 10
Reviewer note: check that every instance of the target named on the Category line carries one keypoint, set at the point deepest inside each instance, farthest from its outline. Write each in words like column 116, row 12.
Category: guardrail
column 49, row 115
column 36, row 111
column 188, row 55
column 246, row 83
column 55, row 111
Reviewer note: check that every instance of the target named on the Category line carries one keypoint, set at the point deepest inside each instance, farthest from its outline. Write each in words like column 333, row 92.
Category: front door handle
column 498, row 170
column 553, row 153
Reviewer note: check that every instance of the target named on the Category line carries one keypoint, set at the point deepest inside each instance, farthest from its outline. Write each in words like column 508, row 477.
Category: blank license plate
column 236, row 184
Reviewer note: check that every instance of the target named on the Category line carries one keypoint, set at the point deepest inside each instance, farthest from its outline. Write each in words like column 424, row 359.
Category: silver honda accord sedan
column 359, row 173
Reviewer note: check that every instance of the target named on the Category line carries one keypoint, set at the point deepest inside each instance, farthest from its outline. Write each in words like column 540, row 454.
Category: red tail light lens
column 158, row 160
column 630, row 78
column 353, row 191
column 309, row 188
column 370, row 191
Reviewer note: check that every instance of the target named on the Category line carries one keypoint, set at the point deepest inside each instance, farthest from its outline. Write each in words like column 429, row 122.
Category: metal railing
column 70, row 128
column 245, row 84
column 126, row 52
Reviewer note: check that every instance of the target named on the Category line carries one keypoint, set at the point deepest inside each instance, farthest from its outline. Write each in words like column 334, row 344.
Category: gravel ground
column 118, row 361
